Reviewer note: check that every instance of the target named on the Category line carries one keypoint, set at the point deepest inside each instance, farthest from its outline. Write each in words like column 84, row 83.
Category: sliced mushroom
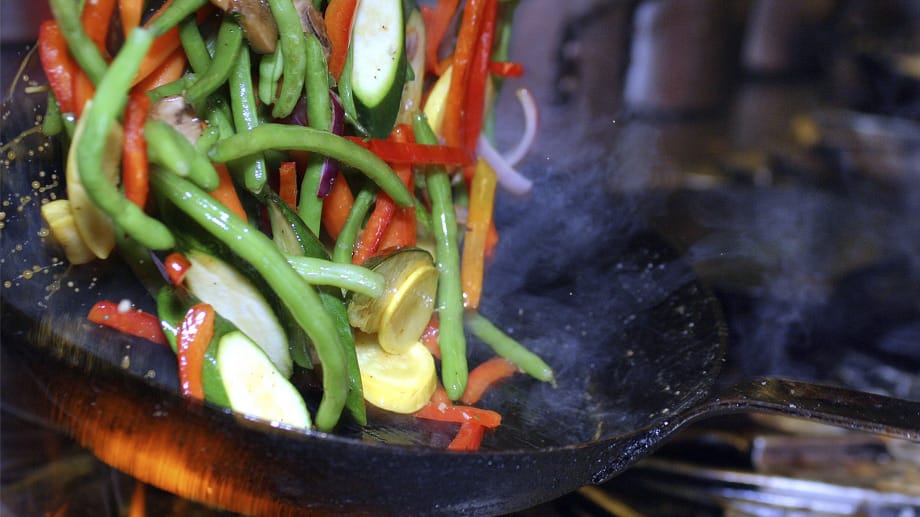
column 175, row 111
column 256, row 20
column 312, row 21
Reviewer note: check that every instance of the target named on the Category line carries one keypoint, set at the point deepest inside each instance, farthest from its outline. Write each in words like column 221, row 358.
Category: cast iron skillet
column 636, row 342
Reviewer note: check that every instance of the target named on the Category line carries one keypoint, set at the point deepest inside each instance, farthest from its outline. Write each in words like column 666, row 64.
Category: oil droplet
column 27, row 274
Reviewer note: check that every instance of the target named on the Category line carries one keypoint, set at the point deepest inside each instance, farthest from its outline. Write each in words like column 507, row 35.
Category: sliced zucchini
column 415, row 54
column 401, row 383
column 401, row 313
column 255, row 387
column 234, row 297
column 95, row 227
column 378, row 64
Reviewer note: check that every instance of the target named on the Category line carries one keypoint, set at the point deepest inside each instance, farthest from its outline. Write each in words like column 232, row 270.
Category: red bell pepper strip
column 135, row 173
column 96, row 19
column 429, row 337
column 287, row 183
column 470, row 28
column 226, row 192
column 474, row 109
column 131, row 321
column 83, row 91
column 407, row 153
column 440, row 408
column 506, row 69
column 192, row 341
column 59, row 67
column 336, row 206
column 437, row 21
column 338, row 17
column 468, row 438
column 485, row 376
column 176, row 266
column 369, row 241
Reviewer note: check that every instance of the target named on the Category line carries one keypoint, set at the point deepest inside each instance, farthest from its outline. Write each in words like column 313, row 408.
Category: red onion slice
column 509, row 178
column 331, row 167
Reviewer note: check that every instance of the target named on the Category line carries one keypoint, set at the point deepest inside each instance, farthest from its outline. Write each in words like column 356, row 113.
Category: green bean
column 270, row 68
column 350, row 277
column 345, row 243
column 454, row 370
column 170, row 149
column 169, row 89
column 509, row 348
column 336, row 309
column 299, row 297
column 193, row 45
column 229, row 42
column 294, row 50
column 53, row 122
column 177, row 11
column 111, row 97
column 209, row 136
column 319, row 115
column 246, row 116
column 280, row 136
column 422, row 216
column 82, row 48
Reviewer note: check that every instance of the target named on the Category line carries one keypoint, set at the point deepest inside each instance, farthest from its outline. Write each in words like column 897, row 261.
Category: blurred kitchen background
column 777, row 142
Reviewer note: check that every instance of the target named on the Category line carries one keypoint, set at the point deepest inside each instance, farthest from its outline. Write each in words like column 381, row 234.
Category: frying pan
column 636, row 340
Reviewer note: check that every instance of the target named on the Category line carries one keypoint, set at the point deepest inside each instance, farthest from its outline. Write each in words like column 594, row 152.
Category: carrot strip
column 287, row 186
column 192, row 341
column 437, row 21
column 226, row 192
column 463, row 55
column 474, row 109
column 160, row 50
column 135, row 171
column 169, row 70
column 479, row 220
column 338, row 17
column 59, row 67
column 130, row 12
column 485, row 376
column 131, row 321
column 402, row 230
column 336, row 206
column 468, row 438
column 96, row 19
column 369, row 241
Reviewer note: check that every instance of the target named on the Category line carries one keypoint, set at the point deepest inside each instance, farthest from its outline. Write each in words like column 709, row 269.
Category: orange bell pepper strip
column 338, row 17
column 369, row 241
column 60, row 69
column 131, row 321
column 468, row 438
column 441, row 409
column 96, row 19
column 135, row 169
column 287, row 183
column 160, row 50
column 437, row 21
column 169, row 70
column 226, row 192
column 479, row 220
column 336, row 206
column 485, row 376
column 470, row 28
column 192, row 341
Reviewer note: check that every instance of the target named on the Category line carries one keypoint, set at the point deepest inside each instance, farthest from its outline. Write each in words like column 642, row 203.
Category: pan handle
column 831, row 405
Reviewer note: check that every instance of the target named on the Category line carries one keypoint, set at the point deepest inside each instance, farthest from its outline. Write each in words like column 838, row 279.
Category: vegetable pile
column 285, row 176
